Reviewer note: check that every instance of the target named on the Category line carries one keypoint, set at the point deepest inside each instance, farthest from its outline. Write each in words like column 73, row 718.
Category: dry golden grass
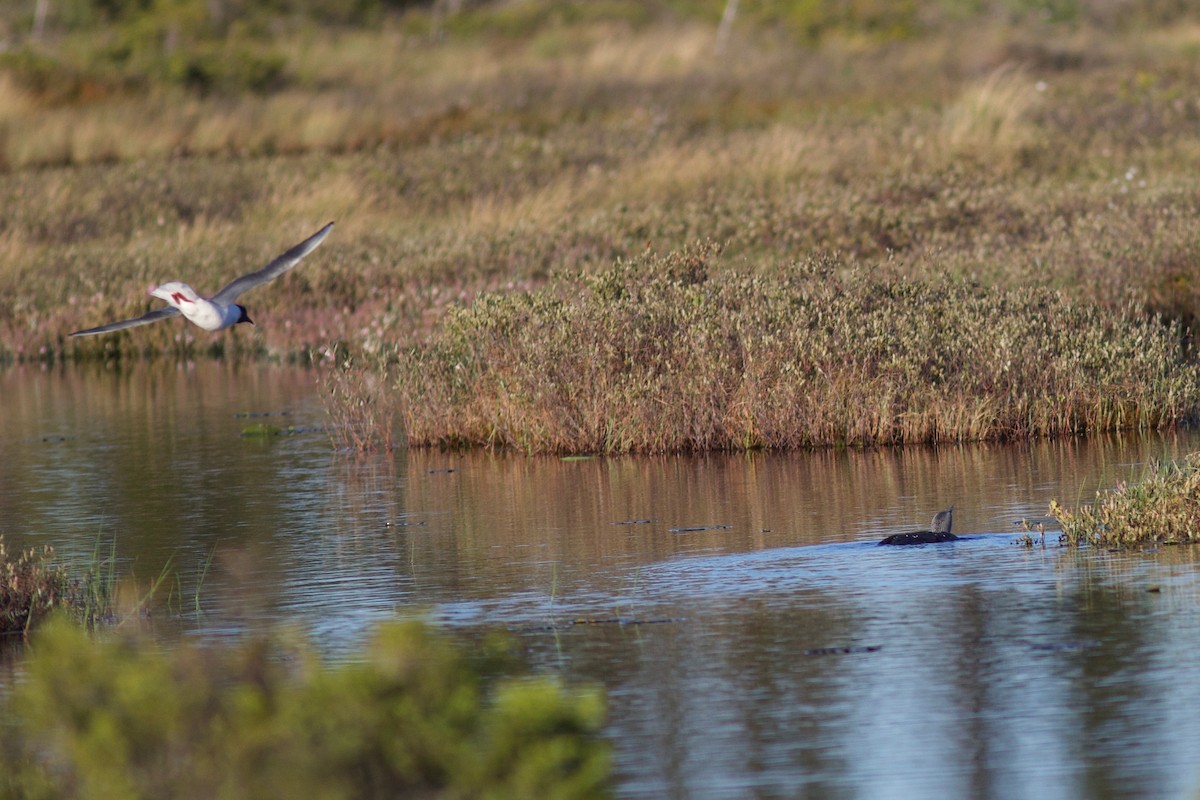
column 649, row 56
column 656, row 356
column 997, row 157
column 991, row 120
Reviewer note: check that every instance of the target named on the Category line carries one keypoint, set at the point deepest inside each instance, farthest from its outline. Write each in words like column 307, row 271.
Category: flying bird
column 219, row 311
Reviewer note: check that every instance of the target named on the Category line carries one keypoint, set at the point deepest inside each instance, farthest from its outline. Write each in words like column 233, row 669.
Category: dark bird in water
column 940, row 533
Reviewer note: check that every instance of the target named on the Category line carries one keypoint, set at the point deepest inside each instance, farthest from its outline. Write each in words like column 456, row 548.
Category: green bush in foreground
column 1162, row 508
column 123, row 719
column 659, row 355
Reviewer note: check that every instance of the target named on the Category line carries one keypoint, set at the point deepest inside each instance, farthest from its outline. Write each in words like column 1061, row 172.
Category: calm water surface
column 774, row 653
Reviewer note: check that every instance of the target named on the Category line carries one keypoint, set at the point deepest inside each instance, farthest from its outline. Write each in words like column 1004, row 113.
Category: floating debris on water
column 632, row 522
column 842, row 651
column 1064, row 647
column 623, row 621
column 701, row 528
column 261, row 430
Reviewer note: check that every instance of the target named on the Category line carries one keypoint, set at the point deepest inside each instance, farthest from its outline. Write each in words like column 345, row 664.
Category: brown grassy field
column 969, row 163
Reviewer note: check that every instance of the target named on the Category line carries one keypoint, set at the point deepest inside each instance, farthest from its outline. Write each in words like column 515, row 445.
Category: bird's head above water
column 942, row 520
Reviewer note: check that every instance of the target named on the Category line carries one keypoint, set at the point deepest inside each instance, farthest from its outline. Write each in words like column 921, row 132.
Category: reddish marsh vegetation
column 672, row 353
column 1015, row 174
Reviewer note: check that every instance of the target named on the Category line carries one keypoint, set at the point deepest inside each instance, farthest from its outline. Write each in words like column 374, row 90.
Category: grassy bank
column 674, row 353
column 1162, row 507
column 481, row 154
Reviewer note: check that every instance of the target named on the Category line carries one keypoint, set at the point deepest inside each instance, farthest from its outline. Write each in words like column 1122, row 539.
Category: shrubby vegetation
column 670, row 353
column 1162, row 507
column 1046, row 158
column 120, row 717
column 31, row 586
column 77, row 50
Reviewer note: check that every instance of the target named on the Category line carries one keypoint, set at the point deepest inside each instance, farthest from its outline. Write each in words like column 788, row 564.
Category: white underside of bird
column 196, row 309
column 219, row 311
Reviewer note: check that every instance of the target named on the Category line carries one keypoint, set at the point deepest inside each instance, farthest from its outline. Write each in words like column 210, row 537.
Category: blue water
column 773, row 651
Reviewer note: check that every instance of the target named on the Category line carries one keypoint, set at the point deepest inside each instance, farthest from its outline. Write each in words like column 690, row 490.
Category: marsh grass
column 31, row 586
column 34, row 584
column 98, row 590
column 177, row 599
column 993, row 119
column 1020, row 160
column 1161, row 507
column 670, row 353
column 360, row 409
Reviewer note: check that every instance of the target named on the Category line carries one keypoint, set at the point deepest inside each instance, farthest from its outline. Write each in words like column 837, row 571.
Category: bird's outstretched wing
column 273, row 270
column 145, row 319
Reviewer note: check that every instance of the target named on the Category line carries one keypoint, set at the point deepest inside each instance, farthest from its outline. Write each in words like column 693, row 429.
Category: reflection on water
column 774, row 653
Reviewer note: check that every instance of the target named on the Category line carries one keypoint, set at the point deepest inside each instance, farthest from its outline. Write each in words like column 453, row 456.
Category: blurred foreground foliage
column 413, row 717
column 69, row 51
column 84, row 50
